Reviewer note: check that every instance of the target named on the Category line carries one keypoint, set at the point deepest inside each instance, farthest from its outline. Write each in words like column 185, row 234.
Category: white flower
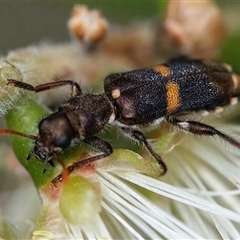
column 195, row 201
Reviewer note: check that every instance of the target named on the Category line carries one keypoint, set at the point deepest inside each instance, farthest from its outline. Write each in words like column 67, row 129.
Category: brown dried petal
column 88, row 26
column 193, row 28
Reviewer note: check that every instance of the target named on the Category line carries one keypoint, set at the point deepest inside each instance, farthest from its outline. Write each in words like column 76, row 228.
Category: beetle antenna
column 8, row 131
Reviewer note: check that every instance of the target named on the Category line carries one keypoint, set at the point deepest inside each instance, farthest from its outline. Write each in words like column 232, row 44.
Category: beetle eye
column 63, row 141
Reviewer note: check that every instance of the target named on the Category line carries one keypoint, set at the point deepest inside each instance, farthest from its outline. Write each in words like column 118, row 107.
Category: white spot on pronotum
column 115, row 93
column 234, row 101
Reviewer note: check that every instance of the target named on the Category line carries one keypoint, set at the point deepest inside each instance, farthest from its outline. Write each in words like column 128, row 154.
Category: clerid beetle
column 135, row 99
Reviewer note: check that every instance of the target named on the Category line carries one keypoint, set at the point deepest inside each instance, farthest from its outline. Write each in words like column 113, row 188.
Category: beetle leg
column 94, row 142
column 46, row 164
column 139, row 137
column 202, row 129
column 46, row 86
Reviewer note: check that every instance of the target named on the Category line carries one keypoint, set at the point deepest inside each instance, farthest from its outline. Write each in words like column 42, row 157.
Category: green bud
column 80, row 201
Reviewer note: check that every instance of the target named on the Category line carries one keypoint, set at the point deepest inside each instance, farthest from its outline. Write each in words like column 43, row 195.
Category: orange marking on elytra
column 173, row 97
column 162, row 69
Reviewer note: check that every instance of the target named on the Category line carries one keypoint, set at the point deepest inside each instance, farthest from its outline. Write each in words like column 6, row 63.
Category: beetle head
column 55, row 134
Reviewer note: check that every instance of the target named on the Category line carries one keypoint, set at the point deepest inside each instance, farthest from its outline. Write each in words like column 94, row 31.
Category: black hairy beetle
column 135, row 99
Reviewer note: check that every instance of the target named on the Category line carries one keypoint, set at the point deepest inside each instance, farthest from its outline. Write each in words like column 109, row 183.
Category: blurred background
column 25, row 23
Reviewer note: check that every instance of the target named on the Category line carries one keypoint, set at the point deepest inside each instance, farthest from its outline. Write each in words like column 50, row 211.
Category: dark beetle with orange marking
column 134, row 99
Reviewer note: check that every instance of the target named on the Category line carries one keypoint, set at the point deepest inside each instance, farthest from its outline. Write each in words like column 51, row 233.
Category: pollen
column 173, row 97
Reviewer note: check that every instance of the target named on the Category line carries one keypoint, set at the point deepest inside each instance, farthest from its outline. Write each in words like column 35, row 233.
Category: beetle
column 134, row 99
